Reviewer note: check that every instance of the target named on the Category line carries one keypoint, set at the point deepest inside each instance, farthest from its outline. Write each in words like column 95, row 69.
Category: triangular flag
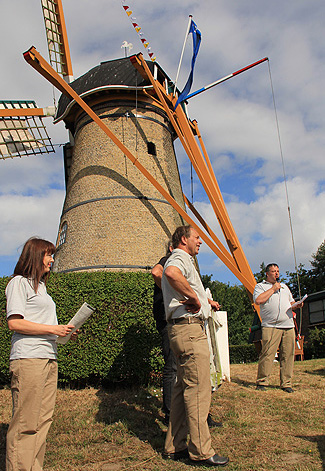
column 146, row 45
column 125, row 7
column 137, row 29
column 129, row 12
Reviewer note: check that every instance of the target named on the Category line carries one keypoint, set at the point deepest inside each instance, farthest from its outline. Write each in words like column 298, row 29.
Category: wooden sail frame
column 22, row 131
column 186, row 131
column 235, row 260
column 57, row 38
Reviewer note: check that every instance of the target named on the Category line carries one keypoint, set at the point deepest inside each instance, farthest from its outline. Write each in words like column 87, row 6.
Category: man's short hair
column 181, row 231
column 269, row 266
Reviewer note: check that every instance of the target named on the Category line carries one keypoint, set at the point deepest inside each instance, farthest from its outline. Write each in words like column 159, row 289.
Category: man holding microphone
column 278, row 330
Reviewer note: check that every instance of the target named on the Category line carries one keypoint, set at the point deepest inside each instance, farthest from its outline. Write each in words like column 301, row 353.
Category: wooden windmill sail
column 124, row 196
column 22, row 129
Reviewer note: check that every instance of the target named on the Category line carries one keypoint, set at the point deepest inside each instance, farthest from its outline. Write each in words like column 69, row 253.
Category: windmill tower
column 113, row 218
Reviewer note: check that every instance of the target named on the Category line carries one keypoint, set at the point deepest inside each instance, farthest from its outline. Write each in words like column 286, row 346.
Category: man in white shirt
column 278, row 330
column 187, row 307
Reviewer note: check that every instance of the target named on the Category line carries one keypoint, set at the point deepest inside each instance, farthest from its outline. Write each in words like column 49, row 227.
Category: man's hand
column 214, row 304
column 192, row 305
column 276, row 287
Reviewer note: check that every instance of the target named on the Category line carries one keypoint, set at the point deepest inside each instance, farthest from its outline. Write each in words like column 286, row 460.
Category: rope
column 123, row 140
column 286, row 192
column 192, row 190
column 136, row 114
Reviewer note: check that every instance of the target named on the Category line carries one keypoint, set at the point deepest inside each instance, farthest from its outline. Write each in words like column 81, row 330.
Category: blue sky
column 236, row 118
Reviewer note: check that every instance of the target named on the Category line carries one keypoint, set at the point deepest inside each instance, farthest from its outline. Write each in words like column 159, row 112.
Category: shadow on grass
column 320, row 440
column 137, row 410
column 250, row 384
column 3, row 433
column 320, row 372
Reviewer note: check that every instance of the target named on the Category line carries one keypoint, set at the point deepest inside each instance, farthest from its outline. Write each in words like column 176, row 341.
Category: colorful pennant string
column 138, row 28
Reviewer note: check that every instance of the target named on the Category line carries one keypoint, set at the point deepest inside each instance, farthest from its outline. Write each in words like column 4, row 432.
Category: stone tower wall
column 115, row 217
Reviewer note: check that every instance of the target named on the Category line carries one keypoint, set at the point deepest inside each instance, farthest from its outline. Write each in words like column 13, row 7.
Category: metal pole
column 227, row 77
column 180, row 61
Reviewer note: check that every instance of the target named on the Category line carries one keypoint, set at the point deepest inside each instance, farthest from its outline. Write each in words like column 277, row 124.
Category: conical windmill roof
column 115, row 74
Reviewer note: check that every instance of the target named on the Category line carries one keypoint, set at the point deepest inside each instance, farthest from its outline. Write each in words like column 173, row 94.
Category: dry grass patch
column 121, row 429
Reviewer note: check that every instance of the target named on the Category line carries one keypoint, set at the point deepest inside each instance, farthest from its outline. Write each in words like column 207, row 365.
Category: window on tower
column 151, row 148
column 63, row 234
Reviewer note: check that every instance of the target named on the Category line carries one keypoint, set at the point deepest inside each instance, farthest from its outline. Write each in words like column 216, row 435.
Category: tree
column 318, row 270
column 312, row 280
column 234, row 300
column 306, row 281
column 261, row 275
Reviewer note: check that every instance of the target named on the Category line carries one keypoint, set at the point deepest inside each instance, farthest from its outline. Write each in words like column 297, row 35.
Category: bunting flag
column 138, row 29
column 196, row 34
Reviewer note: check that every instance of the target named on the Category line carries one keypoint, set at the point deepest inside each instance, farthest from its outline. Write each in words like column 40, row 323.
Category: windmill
column 122, row 179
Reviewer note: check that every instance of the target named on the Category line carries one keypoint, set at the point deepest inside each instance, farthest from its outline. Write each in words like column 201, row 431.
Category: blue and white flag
column 196, row 33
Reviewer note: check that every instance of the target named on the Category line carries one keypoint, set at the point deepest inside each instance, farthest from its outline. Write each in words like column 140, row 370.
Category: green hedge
column 5, row 334
column 243, row 353
column 315, row 344
column 118, row 343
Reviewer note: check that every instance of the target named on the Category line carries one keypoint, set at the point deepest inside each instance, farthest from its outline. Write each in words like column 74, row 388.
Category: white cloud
column 26, row 216
column 263, row 226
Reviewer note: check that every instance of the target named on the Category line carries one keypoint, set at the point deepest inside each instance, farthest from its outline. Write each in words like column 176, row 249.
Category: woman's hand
column 74, row 335
column 62, row 330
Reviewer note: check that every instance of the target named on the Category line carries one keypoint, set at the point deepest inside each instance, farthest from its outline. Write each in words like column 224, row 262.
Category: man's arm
column 265, row 296
column 157, row 273
column 178, row 281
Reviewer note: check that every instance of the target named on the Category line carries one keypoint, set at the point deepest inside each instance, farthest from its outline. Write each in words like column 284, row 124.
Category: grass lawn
column 121, row 429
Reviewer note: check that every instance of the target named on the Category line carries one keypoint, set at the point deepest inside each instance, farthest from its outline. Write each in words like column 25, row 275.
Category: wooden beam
column 34, row 58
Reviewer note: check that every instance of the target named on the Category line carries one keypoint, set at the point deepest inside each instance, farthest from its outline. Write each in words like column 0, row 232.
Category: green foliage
column 315, row 344
column 243, row 353
column 5, row 335
column 234, row 300
column 261, row 275
column 118, row 343
column 306, row 281
column 312, row 280
column 318, row 264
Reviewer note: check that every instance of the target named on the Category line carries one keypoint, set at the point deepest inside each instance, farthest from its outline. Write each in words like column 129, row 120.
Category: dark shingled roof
column 116, row 72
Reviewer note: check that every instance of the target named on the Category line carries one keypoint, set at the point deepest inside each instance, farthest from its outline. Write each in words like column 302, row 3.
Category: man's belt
column 186, row 320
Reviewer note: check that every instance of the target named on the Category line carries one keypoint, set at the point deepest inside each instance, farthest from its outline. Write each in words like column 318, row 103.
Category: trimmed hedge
column 315, row 344
column 243, row 353
column 5, row 334
column 118, row 343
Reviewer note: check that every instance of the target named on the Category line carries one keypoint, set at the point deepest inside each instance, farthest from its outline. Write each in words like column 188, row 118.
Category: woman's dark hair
column 30, row 264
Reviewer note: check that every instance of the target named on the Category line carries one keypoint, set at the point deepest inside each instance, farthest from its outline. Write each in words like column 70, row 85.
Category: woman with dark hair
column 31, row 315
